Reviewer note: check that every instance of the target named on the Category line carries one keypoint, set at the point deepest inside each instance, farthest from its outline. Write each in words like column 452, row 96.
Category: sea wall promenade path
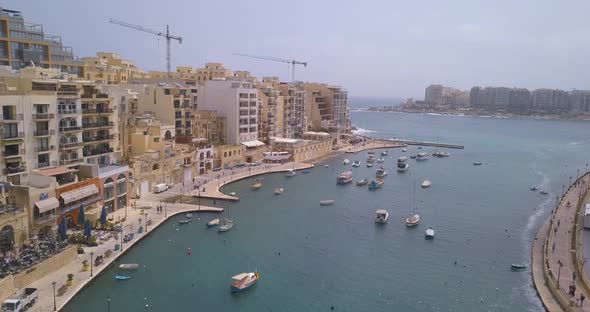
column 557, row 255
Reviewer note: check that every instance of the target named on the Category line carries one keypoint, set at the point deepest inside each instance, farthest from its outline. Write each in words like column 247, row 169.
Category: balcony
column 40, row 220
column 67, row 162
column 68, row 111
column 67, row 94
column 17, row 153
column 14, row 170
column 11, row 117
column 10, row 210
column 70, row 145
column 45, row 116
column 42, row 165
column 40, row 133
column 98, row 138
column 70, row 129
column 97, row 151
column 43, row 149
column 12, row 135
column 97, row 111
column 90, row 125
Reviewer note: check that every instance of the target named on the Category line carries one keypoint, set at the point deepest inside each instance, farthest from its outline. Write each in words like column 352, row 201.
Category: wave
column 362, row 131
column 579, row 142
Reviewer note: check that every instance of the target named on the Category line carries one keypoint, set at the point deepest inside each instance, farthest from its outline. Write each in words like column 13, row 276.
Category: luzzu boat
column 375, row 184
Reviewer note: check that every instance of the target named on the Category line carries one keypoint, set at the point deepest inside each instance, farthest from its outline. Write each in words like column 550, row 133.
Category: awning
column 254, row 143
column 47, row 204
column 284, row 140
column 80, row 193
column 108, row 185
column 121, row 180
column 54, row 171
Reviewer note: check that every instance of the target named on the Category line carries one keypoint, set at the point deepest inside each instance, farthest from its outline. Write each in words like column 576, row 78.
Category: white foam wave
column 579, row 142
column 362, row 131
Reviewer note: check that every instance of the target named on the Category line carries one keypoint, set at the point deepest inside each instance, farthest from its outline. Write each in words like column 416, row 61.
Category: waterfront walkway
column 373, row 144
column 557, row 254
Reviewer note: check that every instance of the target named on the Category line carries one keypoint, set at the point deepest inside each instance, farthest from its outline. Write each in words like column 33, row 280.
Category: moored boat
column 129, row 266
column 381, row 172
column 543, row 192
column 189, row 215
column 413, row 220
column 122, row 277
column 290, row 173
column 384, row 153
column 184, row 221
column 344, row 177
column 244, row 281
column 402, row 164
column 517, row 267
column 426, row 183
column 369, row 165
column 421, row 156
column 257, row 185
column 413, row 156
column 356, row 163
column 404, row 150
column 370, row 152
column 477, row 163
column 429, row 234
column 327, row 202
column 362, row 182
column 213, row 222
column 375, row 184
column 226, row 225
column 279, row 191
column 346, row 162
column 381, row 216
column 370, row 159
column 534, row 188
column 380, row 159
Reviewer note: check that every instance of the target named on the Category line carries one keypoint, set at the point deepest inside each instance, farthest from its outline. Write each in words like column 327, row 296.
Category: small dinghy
column 129, row 266
column 122, row 277
column 189, row 215
column 426, row 184
column 279, row 191
column 232, row 194
column 213, row 223
column 429, row 234
column 184, row 221
column 327, row 202
column 517, row 267
column 477, row 163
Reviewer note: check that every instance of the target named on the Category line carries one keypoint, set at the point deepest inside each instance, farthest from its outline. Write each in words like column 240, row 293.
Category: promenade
column 373, row 144
column 557, row 254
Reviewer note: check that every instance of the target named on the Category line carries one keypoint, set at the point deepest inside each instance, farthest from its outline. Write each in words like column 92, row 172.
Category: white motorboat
column 381, row 216
column 189, row 215
column 369, row 165
column 213, row 223
column 346, row 161
column 384, row 153
column 279, row 191
column 232, row 194
column 429, row 234
column 356, row 163
column 402, row 164
column 421, row 156
column 380, row 159
column 426, row 183
column 344, row 177
column 129, row 266
column 362, row 182
column 326, row 166
column 226, row 225
column 413, row 220
column 290, row 173
column 244, row 281
column 327, row 202
column 404, row 150
column 381, row 172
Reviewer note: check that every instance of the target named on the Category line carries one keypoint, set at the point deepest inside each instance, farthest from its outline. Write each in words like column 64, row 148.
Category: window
column 224, row 154
column 167, row 91
column 156, row 139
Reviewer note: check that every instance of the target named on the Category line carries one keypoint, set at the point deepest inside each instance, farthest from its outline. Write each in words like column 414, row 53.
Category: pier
column 434, row 144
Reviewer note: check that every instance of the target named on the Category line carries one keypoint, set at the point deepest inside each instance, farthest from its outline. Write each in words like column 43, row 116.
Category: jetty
column 434, row 144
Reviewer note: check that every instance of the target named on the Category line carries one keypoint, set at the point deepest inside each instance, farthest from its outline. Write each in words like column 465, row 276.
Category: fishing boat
column 534, row 188
column 477, row 163
column 421, row 156
column 413, row 219
column 326, row 166
column 402, row 164
column 376, row 184
column 356, row 163
column 381, row 216
column 129, row 266
column 517, row 267
column 226, row 225
column 344, row 177
column 381, row 172
column 244, row 281
column 279, row 191
column 429, row 234
column 346, row 161
column 189, row 215
column 443, row 155
column 380, row 159
column 122, row 277
column 426, row 183
column 256, row 186
column 213, row 222
column 327, row 202
column 384, row 153
column 362, row 182
column 369, row 165
column 184, row 221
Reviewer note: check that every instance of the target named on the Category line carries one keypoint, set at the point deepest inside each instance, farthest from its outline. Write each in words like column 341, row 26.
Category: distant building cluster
column 98, row 131
column 504, row 99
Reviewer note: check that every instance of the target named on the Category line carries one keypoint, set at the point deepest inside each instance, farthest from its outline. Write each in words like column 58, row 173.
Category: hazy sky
column 380, row 48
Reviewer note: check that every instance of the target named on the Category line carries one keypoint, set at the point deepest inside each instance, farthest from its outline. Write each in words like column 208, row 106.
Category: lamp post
column 146, row 222
column 91, row 254
column 559, row 271
column 165, row 210
column 570, row 181
column 54, row 305
column 122, row 229
column 109, row 303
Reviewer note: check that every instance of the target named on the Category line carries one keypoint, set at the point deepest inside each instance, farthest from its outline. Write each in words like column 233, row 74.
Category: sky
column 381, row 48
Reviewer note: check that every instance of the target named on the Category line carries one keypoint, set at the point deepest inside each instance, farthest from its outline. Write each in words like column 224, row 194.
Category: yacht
column 413, row 220
column 402, row 164
column 381, row 216
column 421, row 156
column 344, row 177
column 384, row 153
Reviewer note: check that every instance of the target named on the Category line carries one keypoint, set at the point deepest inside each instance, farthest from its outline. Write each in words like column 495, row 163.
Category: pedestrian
column 558, row 221
column 573, row 290
column 582, row 300
column 574, row 275
column 553, row 247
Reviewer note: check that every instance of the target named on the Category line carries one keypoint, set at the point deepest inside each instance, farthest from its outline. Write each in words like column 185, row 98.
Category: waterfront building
column 549, row 101
column 237, row 102
column 326, row 108
column 579, row 101
column 269, row 97
column 519, row 99
column 434, row 94
column 109, row 68
column 14, row 221
column 440, row 97
column 304, row 150
column 228, row 156
column 23, row 42
column 294, row 120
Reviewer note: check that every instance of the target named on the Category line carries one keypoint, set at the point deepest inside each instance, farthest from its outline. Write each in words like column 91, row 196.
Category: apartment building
column 326, row 107
column 294, row 117
column 193, row 75
column 23, row 42
column 110, row 68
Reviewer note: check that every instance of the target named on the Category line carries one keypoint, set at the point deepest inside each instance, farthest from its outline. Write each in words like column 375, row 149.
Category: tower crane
column 166, row 35
column 276, row 59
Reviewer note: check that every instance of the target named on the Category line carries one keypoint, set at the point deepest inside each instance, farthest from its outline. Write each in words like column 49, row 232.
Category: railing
column 73, row 128
column 11, row 135
column 43, row 116
column 44, row 132
column 12, row 154
column 11, row 117
column 97, row 111
column 68, row 111
column 65, row 162
column 97, row 124
column 42, row 165
column 13, row 170
column 98, row 138
column 41, row 149
column 67, row 94
column 69, row 144
column 94, row 152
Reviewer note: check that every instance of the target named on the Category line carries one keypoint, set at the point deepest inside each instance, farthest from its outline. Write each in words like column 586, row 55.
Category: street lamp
column 559, row 271
column 109, row 303
column 54, row 305
column 146, row 222
column 122, row 231
column 91, row 254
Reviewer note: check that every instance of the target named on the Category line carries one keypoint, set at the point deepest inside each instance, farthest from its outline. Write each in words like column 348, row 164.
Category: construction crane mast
column 276, row 59
column 166, row 35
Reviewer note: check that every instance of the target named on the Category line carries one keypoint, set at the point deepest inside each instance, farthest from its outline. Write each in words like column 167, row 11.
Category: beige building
column 109, row 68
column 303, row 150
column 294, row 121
column 208, row 125
column 197, row 75
column 14, row 222
column 228, row 156
column 326, row 108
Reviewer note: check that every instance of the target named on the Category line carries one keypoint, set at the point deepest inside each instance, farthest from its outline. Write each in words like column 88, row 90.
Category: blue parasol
column 103, row 216
column 81, row 215
column 87, row 228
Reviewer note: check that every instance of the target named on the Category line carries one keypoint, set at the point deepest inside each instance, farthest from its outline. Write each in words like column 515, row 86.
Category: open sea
column 313, row 258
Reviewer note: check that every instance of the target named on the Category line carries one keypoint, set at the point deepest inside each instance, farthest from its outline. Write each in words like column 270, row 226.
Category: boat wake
column 579, row 142
column 362, row 131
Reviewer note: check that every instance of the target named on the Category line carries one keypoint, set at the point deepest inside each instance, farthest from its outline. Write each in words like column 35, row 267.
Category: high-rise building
column 434, row 94
column 22, row 42
column 294, row 121
column 519, row 99
column 579, row 101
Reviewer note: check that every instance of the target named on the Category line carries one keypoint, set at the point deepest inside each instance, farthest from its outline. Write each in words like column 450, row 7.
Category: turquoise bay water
column 485, row 218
